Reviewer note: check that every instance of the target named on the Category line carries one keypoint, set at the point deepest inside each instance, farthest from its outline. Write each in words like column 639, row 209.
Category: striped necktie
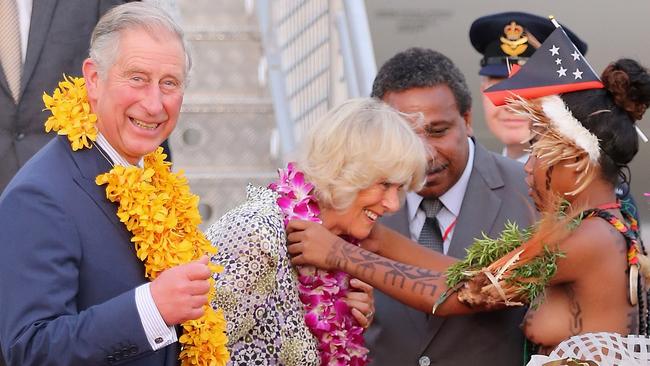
column 430, row 235
column 10, row 51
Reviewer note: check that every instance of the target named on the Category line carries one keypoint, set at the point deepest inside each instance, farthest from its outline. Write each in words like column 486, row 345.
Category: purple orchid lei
column 340, row 340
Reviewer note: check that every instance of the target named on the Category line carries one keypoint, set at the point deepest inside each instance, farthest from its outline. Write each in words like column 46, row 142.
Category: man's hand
column 310, row 243
column 181, row 292
column 361, row 301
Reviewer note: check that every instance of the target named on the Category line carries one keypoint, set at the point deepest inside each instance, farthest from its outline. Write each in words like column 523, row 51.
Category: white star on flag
column 552, row 70
column 576, row 55
column 577, row 74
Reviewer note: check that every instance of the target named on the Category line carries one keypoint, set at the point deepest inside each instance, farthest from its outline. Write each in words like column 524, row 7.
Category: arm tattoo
column 366, row 264
column 576, row 312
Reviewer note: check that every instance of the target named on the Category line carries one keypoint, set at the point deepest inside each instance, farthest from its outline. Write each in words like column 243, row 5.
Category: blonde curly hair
column 357, row 144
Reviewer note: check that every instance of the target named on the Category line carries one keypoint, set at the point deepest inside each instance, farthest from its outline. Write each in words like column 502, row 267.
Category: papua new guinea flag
column 556, row 67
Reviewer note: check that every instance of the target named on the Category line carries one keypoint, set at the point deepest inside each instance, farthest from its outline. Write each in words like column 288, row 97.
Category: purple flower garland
column 340, row 340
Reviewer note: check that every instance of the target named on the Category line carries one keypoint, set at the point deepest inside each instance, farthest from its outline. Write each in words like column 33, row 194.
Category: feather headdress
column 561, row 137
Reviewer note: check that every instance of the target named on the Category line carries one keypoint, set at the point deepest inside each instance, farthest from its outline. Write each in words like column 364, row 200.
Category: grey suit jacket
column 59, row 37
column 496, row 192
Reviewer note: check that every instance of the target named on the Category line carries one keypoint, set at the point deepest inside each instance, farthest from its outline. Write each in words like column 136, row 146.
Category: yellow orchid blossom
column 71, row 113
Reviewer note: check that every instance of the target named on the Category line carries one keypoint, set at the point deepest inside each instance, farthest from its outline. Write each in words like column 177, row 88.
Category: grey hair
column 104, row 40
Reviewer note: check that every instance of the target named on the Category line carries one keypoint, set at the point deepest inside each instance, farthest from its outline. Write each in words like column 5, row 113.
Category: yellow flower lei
column 71, row 113
column 157, row 207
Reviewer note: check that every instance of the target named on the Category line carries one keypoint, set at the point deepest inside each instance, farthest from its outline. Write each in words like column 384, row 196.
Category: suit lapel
column 477, row 214
column 42, row 14
column 4, row 85
column 91, row 163
column 481, row 205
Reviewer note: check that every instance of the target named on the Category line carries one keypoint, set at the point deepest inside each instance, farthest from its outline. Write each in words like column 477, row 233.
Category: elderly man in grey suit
column 468, row 191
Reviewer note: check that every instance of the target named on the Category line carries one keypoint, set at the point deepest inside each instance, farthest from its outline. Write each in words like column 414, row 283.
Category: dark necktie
column 430, row 235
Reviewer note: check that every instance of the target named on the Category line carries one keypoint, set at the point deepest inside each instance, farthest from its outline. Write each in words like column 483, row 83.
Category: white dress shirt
column 158, row 333
column 452, row 201
column 522, row 159
column 24, row 19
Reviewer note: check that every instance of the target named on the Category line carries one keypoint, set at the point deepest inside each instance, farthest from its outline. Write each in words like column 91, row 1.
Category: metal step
column 226, row 67
column 222, row 139
column 232, row 137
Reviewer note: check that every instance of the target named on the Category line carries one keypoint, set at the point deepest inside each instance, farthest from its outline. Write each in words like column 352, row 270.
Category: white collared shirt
column 158, row 333
column 522, row 159
column 452, row 201
column 24, row 8
column 115, row 157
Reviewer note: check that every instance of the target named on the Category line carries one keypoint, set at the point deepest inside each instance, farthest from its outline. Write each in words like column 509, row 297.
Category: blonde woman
column 354, row 166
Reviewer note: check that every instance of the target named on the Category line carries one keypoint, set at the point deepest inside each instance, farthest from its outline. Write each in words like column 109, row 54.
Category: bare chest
column 568, row 310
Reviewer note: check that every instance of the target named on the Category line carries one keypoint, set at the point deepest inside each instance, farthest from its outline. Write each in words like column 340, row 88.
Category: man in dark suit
column 475, row 192
column 72, row 290
column 56, row 43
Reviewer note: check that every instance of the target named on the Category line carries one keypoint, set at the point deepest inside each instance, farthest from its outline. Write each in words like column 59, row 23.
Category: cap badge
column 515, row 42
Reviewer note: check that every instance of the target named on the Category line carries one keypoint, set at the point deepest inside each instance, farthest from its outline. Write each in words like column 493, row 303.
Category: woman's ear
column 565, row 177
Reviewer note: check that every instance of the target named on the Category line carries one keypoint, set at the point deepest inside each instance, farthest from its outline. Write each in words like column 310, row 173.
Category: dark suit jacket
column 68, row 269
column 496, row 192
column 59, row 37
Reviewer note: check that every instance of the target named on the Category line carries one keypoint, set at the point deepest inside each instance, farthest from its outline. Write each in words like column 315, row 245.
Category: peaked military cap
column 513, row 36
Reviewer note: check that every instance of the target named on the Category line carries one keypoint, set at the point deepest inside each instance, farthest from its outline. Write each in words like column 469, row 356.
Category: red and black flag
column 556, row 67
